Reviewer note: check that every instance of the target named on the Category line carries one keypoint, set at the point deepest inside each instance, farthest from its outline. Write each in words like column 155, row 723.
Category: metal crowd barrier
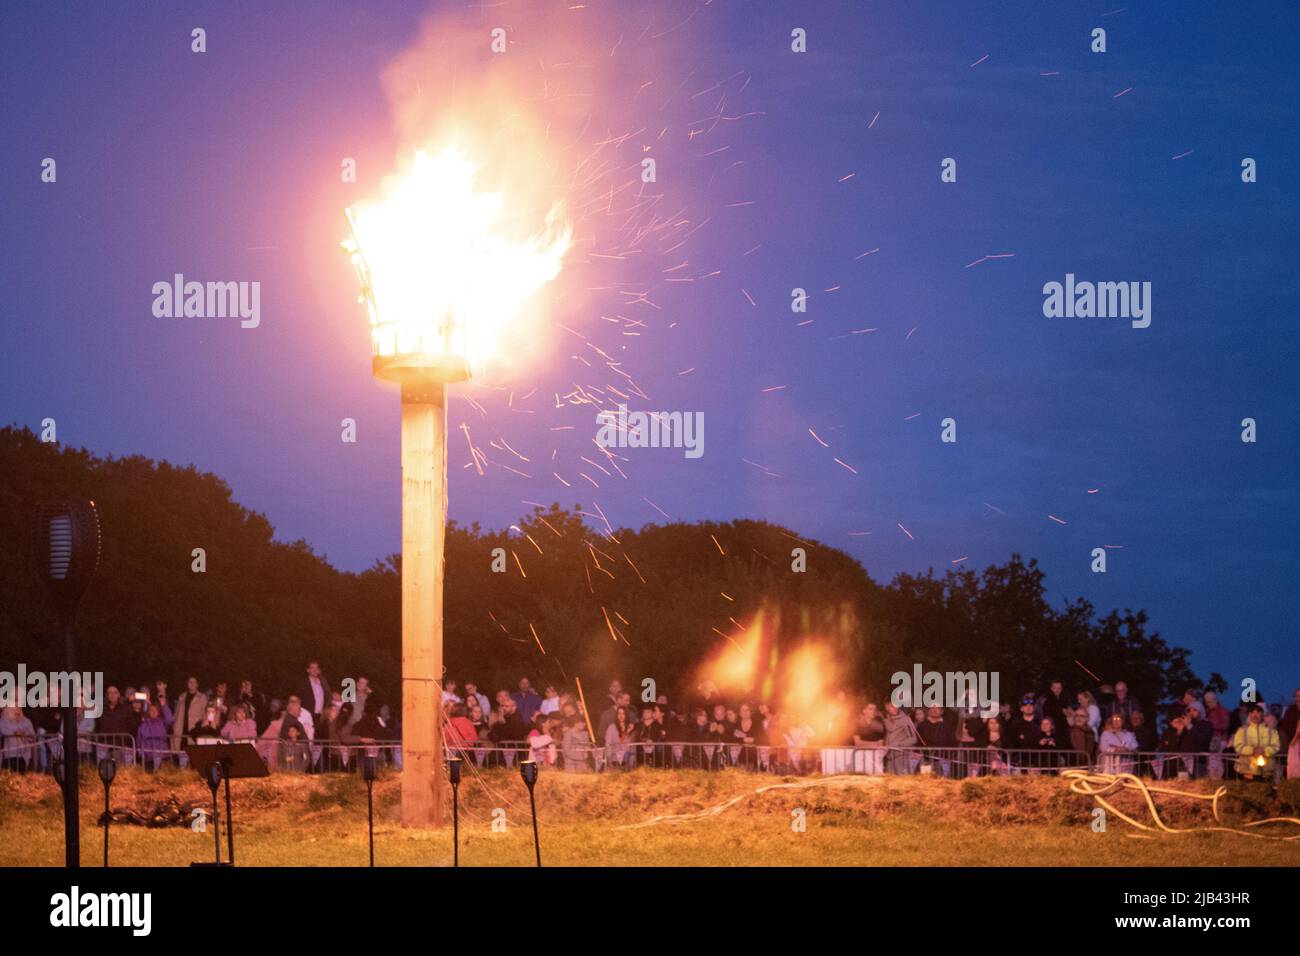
column 950, row 762
column 1224, row 764
column 39, row 753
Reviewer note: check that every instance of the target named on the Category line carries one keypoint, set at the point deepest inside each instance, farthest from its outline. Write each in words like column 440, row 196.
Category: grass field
column 862, row 821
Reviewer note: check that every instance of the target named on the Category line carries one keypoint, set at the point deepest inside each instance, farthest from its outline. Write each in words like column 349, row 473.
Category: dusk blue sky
column 225, row 166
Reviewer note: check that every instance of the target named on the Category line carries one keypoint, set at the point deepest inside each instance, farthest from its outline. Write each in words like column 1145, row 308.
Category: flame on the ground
column 737, row 669
column 803, row 686
column 812, row 693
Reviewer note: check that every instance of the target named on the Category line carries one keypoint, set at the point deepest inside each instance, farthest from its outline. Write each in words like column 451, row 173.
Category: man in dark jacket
column 512, row 728
column 1116, row 700
column 1199, row 740
column 1174, row 740
column 1054, row 706
column 117, row 717
column 1022, row 732
column 1145, row 733
column 1201, row 731
column 369, row 727
column 526, row 700
column 314, row 690
column 935, row 732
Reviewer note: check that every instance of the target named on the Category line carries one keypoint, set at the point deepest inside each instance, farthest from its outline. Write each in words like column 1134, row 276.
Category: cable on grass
column 1086, row 782
column 1091, row 783
column 840, row 780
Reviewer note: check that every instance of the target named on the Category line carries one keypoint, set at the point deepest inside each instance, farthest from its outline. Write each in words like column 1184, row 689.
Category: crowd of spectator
column 311, row 727
column 314, row 727
column 1045, row 731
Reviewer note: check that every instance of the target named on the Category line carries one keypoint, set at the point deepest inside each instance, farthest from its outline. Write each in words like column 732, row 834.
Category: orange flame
column 442, row 266
column 804, row 686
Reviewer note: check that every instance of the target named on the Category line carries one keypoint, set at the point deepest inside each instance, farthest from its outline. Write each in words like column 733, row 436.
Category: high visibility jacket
column 1253, row 741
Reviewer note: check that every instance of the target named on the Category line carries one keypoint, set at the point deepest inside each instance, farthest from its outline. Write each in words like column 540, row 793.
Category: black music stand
column 238, row 760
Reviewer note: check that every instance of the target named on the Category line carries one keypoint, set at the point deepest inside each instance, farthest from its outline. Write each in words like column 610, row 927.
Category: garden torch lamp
column 107, row 771
column 369, row 769
column 528, row 770
column 66, row 542
column 443, row 269
column 213, row 776
column 453, row 773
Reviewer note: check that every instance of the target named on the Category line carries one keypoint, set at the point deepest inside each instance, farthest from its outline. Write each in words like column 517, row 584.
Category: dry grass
column 292, row 820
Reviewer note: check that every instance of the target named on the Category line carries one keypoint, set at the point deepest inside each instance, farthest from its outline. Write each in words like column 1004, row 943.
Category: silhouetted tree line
column 576, row 598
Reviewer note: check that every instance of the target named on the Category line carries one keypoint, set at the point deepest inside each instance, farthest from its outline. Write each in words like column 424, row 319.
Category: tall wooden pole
column 424, row 523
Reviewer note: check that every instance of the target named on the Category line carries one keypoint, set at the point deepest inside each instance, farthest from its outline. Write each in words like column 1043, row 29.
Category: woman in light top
column 1089, row 703
column 1117, row 741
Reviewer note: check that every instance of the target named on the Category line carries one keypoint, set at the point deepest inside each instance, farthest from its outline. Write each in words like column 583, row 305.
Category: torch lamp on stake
column 453, row 772
column 66, row 542
column 107, row 771
column 368, row 769
column 214, row 783
column 61, row 779
column 528, row 770
column 440, row 278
